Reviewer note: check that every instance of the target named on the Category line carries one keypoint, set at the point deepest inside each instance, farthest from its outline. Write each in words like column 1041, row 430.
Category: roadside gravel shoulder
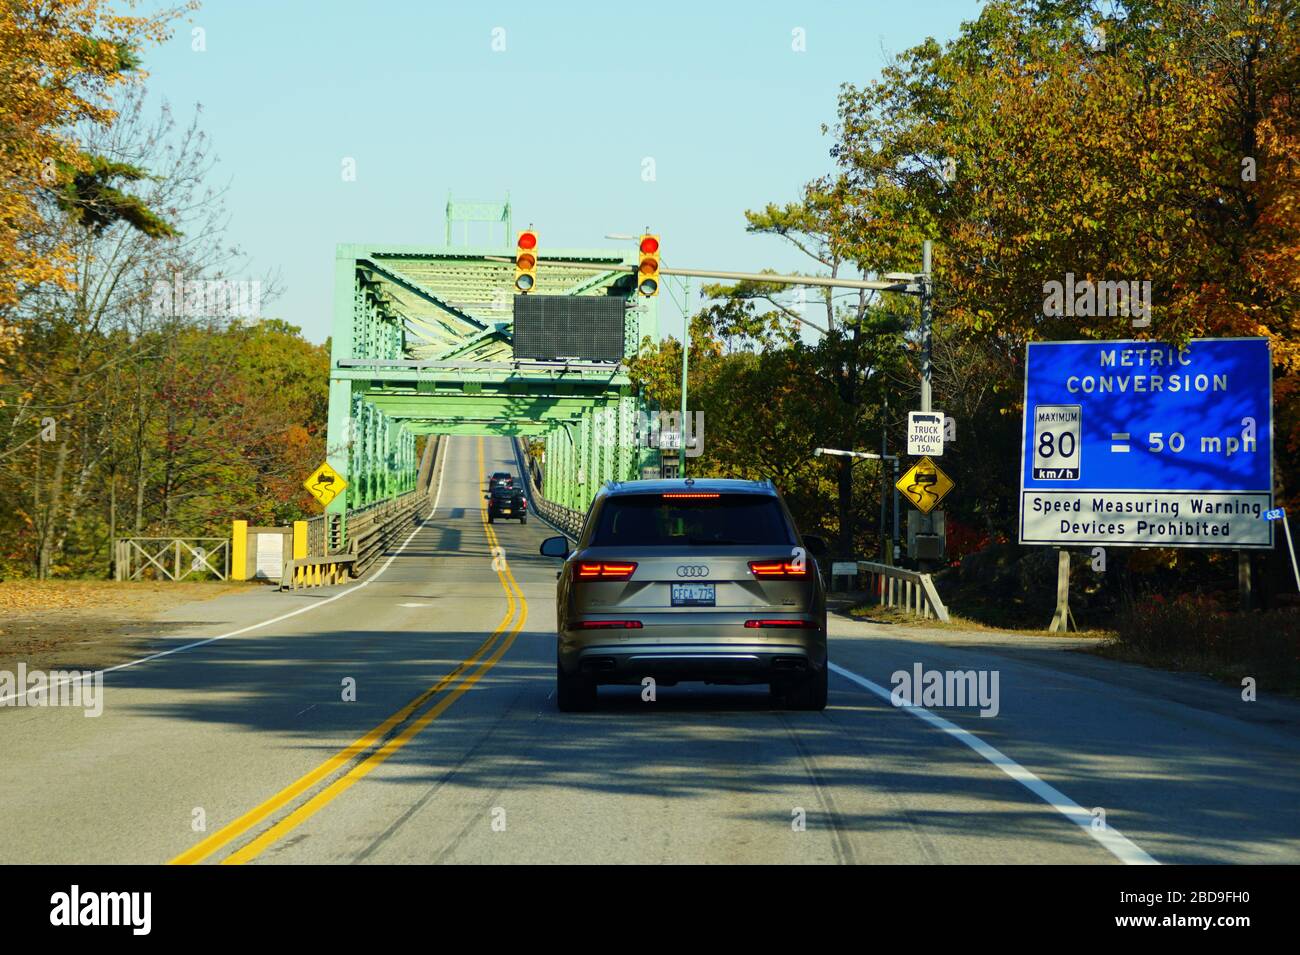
column 90, row 624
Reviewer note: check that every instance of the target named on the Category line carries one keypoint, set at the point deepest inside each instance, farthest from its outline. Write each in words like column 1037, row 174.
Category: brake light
column 603, row 570
column 610, row 625
column 793, row 624
column 777, row 569
column 690, row 494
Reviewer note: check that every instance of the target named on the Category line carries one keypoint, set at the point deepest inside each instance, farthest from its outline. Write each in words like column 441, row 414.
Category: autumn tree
column 58, row 61
column 1149, row 141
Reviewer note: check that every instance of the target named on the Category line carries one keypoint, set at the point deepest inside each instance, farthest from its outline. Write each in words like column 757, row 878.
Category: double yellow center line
column 367, row 753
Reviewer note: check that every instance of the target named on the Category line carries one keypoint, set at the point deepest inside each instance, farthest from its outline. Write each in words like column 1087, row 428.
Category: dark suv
column 704, row 580
column 506, row 500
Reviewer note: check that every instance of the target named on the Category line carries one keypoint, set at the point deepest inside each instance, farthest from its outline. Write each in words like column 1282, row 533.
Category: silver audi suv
column 704, row 580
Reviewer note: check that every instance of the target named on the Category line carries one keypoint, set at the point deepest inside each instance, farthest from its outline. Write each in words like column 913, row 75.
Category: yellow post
column 239, row 550
column 299, row 540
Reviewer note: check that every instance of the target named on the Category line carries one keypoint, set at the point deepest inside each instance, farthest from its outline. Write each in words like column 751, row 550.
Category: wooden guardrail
column 318, row 536
column 908, row 590
column 371, row 532
column 567, row 520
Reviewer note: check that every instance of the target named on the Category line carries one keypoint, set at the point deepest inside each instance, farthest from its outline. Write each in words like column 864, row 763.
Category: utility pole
column 684, row 305
column 926, row 525
column 686, row 348
column 927, row 318
column 886, row 539
column 886, row 552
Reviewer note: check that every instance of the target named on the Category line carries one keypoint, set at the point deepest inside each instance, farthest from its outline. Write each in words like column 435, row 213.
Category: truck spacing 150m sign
column 1143, row 444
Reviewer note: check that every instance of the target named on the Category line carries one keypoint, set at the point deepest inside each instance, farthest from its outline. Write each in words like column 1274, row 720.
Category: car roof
column 709, row 485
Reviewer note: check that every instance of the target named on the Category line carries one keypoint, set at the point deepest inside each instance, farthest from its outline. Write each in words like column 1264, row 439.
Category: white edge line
column 1122, row 848
column 254, row 626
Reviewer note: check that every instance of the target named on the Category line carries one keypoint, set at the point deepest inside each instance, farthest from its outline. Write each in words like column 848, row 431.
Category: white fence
column 170, row 558
column 908, row 590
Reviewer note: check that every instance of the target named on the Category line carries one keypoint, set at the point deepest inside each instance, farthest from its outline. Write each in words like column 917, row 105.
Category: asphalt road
column 244, row 749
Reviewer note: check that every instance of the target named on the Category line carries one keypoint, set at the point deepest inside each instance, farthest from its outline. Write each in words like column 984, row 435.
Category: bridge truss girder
column 422, row 345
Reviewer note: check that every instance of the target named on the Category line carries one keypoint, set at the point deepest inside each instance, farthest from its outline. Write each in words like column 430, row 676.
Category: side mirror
column 555, row 547
column 816, row 546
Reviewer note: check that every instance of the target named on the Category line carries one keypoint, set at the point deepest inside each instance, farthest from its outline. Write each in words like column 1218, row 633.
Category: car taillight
column 610, row 625
column 795, row 624
column 777, row 569
column 603, row 570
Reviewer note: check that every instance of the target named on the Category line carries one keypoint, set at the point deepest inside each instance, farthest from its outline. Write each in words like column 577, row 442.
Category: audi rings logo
column 692, row 570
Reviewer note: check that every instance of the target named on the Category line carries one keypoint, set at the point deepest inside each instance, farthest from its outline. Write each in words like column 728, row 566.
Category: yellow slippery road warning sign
column 925, row 485
column 325, row 484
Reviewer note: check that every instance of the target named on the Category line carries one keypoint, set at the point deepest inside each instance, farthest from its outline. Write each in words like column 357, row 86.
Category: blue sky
column 562, row 119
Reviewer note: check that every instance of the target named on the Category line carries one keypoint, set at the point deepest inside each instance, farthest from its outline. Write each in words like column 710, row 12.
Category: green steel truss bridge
column 422, row 344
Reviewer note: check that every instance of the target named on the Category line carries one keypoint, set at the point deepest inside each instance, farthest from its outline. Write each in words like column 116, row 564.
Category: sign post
column 1063, row 618
column 925, row 485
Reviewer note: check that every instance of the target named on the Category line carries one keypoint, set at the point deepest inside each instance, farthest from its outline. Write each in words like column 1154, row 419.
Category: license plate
column 693, row 595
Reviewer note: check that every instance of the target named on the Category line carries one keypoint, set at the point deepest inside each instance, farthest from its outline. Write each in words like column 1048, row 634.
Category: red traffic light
column 526, row 261
column 648, row 266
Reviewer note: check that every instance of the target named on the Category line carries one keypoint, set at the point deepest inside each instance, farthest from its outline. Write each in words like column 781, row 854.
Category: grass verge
column 893, row 616
column 1194, row 633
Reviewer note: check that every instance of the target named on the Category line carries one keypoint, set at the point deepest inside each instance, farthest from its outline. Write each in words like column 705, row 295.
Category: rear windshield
column 656, row 520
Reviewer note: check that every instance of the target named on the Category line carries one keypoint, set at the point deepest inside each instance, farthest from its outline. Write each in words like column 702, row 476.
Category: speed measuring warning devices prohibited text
column 325, row 484
column 1145, row 444
column 925, row 485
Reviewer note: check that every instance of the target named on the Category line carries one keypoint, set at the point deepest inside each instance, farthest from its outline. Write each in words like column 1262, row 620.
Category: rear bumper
column 732, row 654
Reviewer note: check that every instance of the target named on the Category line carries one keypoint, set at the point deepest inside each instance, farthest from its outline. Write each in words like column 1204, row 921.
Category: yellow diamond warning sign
column 325, row 484
column 925, row 485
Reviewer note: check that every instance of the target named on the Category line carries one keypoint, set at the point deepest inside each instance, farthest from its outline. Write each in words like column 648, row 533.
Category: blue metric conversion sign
column 1141, row 444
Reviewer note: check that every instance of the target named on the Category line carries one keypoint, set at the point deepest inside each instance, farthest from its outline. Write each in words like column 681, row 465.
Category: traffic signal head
column 647, row 274
column 526, row 261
